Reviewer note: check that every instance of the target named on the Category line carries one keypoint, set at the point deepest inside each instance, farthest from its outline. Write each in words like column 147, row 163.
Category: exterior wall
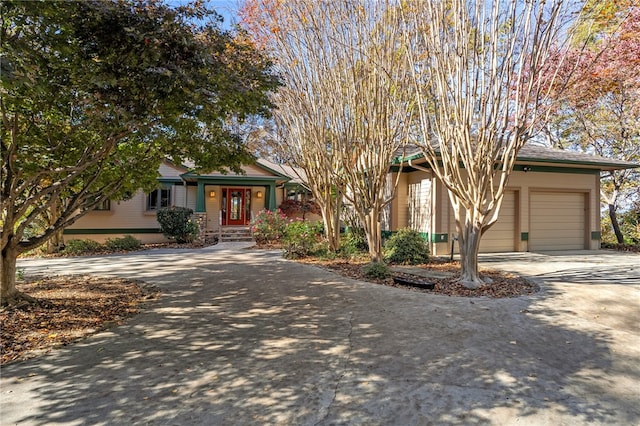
column 442, row 227
column 124, row 217
column 400, row 204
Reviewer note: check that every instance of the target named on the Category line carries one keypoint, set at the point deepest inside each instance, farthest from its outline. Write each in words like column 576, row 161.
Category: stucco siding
column 524, row 185
column 123, row 214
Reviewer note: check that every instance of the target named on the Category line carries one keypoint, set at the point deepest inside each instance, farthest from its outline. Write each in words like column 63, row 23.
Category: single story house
column 552, row 202
column 219, row 201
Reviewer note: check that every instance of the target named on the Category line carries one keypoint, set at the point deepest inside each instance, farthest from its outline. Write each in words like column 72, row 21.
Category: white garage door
column 557, row 221
column 501, row 236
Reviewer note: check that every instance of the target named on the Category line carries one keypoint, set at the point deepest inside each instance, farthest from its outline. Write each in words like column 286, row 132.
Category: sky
column 227, row 8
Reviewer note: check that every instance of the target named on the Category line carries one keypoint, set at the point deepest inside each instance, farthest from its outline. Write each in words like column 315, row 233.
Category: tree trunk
column 9, row 294
column 331, row 219
column 8, row 291
column 374, row 237
column 469, row 248
column 614, row 223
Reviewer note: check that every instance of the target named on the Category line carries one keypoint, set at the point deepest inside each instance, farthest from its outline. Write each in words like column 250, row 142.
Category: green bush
column 376, row 270
column 176, row 223
column 355, row 240
column 78, row 247
column 299, row 240
column 406, row 247
column 268, row 227
column 128, row 242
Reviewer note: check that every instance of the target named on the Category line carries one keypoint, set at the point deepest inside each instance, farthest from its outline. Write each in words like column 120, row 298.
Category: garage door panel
column 501, row 236
column 557, row 221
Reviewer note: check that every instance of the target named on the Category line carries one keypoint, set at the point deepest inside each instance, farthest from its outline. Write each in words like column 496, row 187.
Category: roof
column 542, row 154
column 297, row 175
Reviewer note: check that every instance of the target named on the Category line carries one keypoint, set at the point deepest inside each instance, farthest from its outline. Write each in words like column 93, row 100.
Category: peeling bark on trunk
column 374, row 238
column 469, row 237
column 330, row 210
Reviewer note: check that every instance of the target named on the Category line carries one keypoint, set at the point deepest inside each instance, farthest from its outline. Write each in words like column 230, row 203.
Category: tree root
column 19, row 300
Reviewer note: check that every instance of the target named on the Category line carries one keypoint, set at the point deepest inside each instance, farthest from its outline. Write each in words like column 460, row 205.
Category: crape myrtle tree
column 342, row 110
column 476, row 66
column 301, row 129
column 597, row 101
column 95, row 94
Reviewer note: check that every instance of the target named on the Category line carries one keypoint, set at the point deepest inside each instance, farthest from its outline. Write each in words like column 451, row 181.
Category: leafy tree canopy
column 94, row 94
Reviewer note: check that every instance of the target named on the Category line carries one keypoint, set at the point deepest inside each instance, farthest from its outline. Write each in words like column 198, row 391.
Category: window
column 159, row 198
column 103, row 206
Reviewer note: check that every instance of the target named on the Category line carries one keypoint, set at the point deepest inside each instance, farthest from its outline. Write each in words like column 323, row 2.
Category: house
column 552, row 202
column 218, row 200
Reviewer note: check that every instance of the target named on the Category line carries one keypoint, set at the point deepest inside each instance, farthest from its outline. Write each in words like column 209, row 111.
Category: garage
column 557, row 221
column 501, row 236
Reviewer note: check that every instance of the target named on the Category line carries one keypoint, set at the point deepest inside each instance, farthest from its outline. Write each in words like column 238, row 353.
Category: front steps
column 234, row 233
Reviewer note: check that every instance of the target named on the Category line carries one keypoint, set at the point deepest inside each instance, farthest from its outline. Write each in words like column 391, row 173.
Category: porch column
column 200, row 198
column 271, row 197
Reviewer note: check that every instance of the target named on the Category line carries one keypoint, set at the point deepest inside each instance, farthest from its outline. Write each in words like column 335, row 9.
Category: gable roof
column 542, row 154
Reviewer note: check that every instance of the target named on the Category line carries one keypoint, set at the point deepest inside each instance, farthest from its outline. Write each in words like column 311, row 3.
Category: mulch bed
column 502, row 284
column 68, row 308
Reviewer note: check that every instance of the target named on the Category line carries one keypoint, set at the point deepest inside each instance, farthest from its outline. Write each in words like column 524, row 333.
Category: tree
column 476, row 68
column 95, row 94
column 598, row 106
column 342, row 106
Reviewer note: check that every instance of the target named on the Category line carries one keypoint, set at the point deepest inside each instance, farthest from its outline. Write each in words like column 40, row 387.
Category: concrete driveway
column 245, row 337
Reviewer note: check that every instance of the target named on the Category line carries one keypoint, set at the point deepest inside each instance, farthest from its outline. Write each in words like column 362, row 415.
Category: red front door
column 237, row 200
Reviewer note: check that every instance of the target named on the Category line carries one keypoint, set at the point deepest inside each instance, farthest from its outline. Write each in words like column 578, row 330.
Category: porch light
column 212, row 194
column 259, row 194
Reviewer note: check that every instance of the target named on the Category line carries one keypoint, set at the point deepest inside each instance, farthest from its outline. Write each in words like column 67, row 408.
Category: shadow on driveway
column 245, row 337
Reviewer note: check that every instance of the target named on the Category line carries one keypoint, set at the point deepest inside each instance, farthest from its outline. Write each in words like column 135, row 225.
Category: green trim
column 238, row 180
column 270, row 197
column 440, row 238
column 78, row 231
column 599, row 165
column 596, row 235
column 552, row 169
column 400, row 160
column 524, row 236
column 200, row 198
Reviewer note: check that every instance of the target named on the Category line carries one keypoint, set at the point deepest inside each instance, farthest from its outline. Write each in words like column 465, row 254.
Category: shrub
column 176, row 223
column 268, row 227
column 78, row 247
column 294, row 208
column 376, row 270
column 299, row 239
column 354, row 241
column 406, row 247
column 128, row 242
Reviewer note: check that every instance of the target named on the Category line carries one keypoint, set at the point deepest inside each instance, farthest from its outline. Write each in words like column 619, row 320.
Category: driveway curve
column 245, row 337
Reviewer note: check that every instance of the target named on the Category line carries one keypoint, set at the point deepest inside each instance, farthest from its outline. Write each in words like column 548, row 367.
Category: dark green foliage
column 96, row 94
column 128, row 242
column 406, row 247
column 356, row 238
column 300, row 239
column 80, row 247
column 376, row 270
column 176, row 223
